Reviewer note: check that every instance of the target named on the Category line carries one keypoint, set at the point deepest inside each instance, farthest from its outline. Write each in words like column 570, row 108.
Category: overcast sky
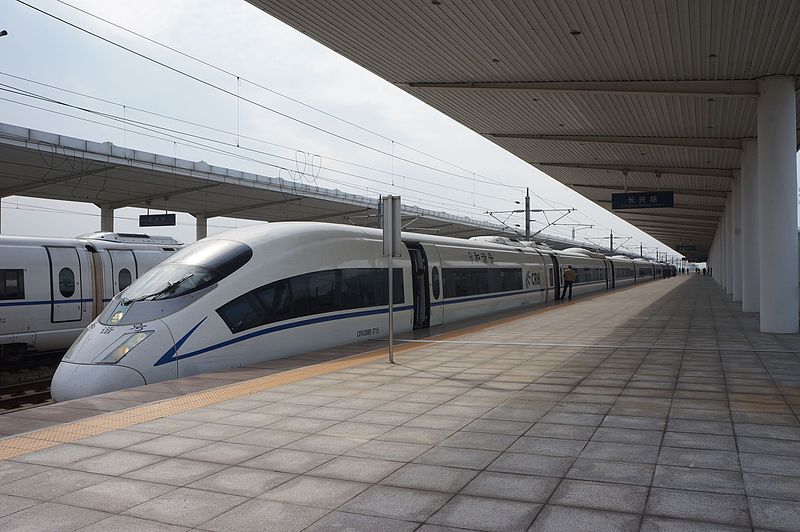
column 236, row 37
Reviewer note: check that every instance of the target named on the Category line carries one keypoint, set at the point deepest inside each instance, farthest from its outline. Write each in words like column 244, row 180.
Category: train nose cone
column 73, row 381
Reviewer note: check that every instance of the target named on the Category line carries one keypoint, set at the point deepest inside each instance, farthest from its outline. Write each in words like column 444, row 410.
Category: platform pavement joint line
column 681, row 429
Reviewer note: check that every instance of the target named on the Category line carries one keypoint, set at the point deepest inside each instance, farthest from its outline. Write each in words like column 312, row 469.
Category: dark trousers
column 567, row 284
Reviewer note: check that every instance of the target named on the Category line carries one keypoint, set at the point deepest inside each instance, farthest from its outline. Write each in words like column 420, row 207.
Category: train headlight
column 128, row 342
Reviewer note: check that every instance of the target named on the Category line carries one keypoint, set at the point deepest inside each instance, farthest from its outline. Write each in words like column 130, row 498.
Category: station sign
column 686, row 248
column 643, row 200
column 156, row 220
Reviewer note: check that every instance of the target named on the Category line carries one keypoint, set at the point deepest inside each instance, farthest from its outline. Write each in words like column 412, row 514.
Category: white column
column 106, row 218
column 729, row 244
column 736, row 236
column 749, row 240
column 201, row 226
column 777, row 213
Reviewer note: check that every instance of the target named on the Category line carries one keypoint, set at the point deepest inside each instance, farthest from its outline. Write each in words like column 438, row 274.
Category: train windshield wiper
column 167, row 289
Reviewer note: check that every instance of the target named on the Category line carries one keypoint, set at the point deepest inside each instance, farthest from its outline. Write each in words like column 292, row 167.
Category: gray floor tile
column 267, row 437
column 10, row 504
column 561, row 518
column 600, row 496
column 712, row 507
column 116, row 439
column 343, row 521
column 168, row 445
column 315, row 491
column 619, row 472
column 699, row 441
column 623, row 452
column 11, row 471
column 430, row 477
column 547, row 446
column 185, row 507
column 242, row 481
column 699, row 479
column 260, row 515
column 61, row 455
column 775, row 515
column 421, row 435
column 356, row 469
column 772, row 486
column 531, row 464
column 225, row 453
column 664, row 524
column 397, row 503
column 320, row 443
column 485, row 514
column 288, row 460
column 124, row 523
column 619, row 435
column 526, row 488
column 307, row 425
column 175, row 471
column 699, row 458
column 115, row 495
column 212, row 431
column 50, row 516
column 51, row 483
column 389, row 450
column 551, row 430
column 456, row 457
column 116, row 462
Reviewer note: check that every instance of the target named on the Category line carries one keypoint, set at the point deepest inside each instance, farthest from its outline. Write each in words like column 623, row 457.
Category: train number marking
column 480, row 256
column 106, row 330
column 367, row 332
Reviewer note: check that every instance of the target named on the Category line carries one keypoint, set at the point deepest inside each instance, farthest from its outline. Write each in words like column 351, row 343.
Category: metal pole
column 611, row 241
column 528, row 215
column 391, row 301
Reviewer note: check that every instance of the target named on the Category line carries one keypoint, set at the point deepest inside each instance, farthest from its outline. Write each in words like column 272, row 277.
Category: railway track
column 24, row 394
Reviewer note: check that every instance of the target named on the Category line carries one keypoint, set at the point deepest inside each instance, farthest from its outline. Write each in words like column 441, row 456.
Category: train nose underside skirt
column 72, row 381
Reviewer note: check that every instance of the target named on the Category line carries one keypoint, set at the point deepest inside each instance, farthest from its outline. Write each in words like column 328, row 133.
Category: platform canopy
column 46, row 165
column 603, row 95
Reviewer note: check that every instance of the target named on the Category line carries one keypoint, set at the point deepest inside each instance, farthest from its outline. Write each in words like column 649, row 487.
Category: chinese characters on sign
column 642, row 200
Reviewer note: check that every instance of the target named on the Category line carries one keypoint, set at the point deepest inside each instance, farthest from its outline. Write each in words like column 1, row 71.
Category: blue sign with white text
column 642, row 200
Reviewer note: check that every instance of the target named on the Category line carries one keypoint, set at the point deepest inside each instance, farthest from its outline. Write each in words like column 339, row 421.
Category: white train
column 280, row 289
column 52, row 288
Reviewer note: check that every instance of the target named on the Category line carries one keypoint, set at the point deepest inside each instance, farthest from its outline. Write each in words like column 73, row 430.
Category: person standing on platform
column 570, row 276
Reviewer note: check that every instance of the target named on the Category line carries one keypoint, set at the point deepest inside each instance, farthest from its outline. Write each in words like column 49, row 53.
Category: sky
column 289, row 89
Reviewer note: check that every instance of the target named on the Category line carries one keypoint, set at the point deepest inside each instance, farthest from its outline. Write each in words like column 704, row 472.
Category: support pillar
column 777, row 199
column 729, row 245
column 749, row 240
column 106, row 218
column 201, row 226
column 736, row 236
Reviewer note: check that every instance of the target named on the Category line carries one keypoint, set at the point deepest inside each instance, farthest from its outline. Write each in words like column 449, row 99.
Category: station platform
column 656, row 407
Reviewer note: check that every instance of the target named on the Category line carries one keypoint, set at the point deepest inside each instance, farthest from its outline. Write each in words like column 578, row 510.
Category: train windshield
column 192, row 268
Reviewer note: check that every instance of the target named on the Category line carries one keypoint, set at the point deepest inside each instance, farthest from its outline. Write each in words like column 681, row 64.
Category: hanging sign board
column 642, row 200
column 686, row 248
column 156, row 220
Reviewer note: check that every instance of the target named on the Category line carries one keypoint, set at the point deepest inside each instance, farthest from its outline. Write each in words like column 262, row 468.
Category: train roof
column 131, row 238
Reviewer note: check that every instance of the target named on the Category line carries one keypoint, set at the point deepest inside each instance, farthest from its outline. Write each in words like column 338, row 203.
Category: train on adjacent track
column 52, row 288
column 280, row 289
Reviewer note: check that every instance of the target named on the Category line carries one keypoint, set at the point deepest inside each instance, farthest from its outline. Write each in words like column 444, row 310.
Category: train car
column 280, row 289
column 52, row 288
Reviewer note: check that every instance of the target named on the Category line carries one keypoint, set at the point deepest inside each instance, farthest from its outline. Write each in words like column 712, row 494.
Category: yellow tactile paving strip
column 70, row 432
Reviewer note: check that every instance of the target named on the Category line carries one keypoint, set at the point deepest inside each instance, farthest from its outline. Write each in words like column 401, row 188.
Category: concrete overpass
column 608, row 96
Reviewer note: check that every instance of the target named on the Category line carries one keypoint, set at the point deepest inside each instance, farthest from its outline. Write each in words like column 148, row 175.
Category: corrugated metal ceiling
column 664, row 120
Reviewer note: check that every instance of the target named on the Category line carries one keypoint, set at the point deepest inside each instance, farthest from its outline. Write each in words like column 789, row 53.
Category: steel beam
column 685, row 192
column 234, row 210
column 623, row 215
column 742, row 88
column 700, row 172
column 710, row 208
column 669, row 142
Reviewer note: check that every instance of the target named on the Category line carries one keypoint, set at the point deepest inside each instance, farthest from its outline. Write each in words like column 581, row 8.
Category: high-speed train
column 52, row 288
column 280, row 289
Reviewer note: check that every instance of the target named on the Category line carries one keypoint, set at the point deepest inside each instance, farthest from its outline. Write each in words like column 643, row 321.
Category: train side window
column 124, row 279
column 435, row 282
column 66, row 282
column 242, row 313
column 12, row 285
column 322, row 292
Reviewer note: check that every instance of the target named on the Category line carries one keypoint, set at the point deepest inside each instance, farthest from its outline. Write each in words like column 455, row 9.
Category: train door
column 420, row 288
column 124, row 269
column 437, row 286
column 66, row 288
column 609, row 269
column 555, row 277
